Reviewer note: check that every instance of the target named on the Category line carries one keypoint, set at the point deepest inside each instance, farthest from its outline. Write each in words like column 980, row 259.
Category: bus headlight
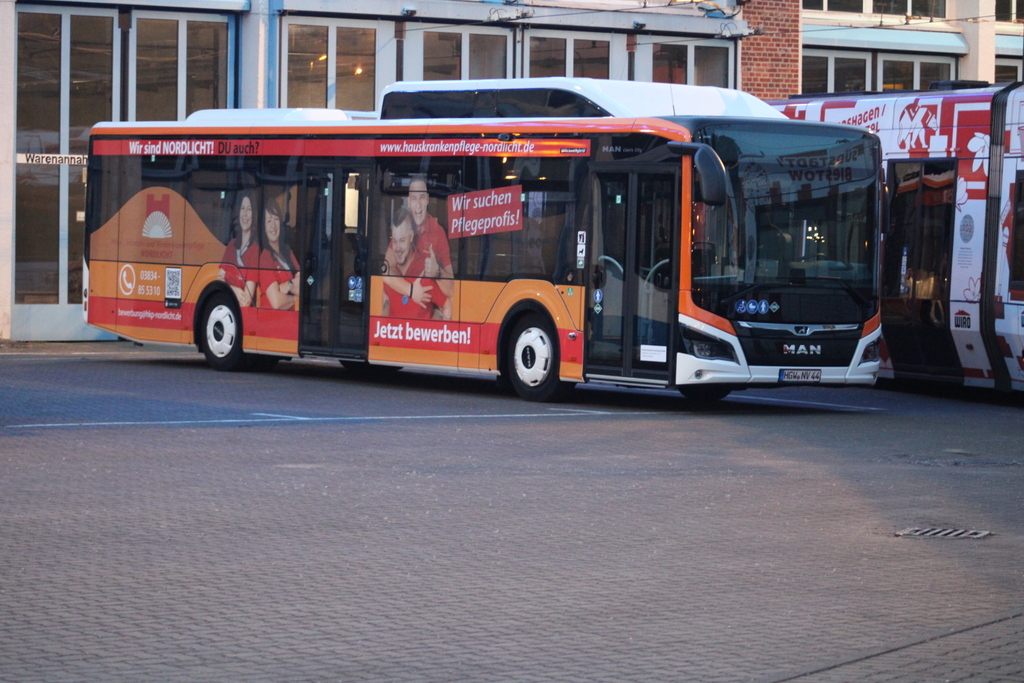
column 705, row 347
column 870, row 354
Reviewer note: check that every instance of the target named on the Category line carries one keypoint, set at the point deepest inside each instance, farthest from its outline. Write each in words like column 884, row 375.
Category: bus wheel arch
column 530, row 355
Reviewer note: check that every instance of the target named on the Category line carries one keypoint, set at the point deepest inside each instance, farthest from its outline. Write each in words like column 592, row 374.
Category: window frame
column 383, row 33
column 645, row 57
column 832, row 55
column 413, row 66
column 916, row 58
column 617, row 57
column 182, row 19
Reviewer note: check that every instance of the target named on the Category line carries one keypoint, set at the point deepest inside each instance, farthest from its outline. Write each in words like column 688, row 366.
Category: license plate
column 799, row 375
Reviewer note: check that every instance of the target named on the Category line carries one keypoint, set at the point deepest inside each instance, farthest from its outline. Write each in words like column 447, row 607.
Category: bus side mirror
column 709, row 168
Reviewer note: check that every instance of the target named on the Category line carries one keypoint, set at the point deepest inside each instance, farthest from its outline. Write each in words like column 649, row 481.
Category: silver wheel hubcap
column 533, row 356
column 221, row 331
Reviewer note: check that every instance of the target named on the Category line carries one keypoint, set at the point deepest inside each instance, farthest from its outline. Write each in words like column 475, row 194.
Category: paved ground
column 160, row 521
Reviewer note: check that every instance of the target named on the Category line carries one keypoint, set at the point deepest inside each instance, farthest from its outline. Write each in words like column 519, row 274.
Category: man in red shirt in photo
column 408, row 269
column 431, row 244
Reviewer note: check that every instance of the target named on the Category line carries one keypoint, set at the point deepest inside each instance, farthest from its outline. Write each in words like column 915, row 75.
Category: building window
column 711, row 65
column 156, row 70
column 206, row 71
column 696, row 64
column 330, row 65
column 856, row 6
column 355, row 69
column 307, row 66
column 181, row 66
column 547, row 56
column 1009, row 10
column 670, row 63
column 590, row 58
column 815, row 75
column 915, row 8
column 834, row 72
column 488, row 56
column 913, row 73
column 1007, row 70
column 92, row 78
column 442, row 56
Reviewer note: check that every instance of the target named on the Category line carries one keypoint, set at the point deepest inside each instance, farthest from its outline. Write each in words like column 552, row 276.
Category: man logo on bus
column 962, row 320
column 801, row 349
column 157, row 225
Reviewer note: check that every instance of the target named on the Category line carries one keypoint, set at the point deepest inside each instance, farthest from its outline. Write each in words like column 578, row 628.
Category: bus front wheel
column 222, row 334
column 532, row 361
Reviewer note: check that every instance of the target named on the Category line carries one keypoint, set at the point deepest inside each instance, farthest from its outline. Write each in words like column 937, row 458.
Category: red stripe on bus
column 449, row 147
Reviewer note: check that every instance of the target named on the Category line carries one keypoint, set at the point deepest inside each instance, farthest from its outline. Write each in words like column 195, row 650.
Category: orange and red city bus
column 706, row 253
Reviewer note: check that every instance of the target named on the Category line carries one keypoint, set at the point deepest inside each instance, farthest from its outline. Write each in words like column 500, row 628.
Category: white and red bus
column 709, row 253
column 953, row 261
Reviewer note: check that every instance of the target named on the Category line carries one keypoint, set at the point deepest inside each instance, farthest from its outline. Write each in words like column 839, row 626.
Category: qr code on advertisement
column 172, row 283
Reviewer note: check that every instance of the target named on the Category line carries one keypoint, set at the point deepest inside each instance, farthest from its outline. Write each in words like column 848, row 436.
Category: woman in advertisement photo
column 279, row 271
column 242, row 255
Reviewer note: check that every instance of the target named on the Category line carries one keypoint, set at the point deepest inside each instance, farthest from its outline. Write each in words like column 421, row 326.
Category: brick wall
column 770, row 63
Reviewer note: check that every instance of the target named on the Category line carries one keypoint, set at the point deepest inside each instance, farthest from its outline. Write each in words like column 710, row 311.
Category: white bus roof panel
column 620, row 98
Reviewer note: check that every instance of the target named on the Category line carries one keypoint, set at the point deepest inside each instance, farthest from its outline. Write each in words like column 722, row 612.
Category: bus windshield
column 798, row 233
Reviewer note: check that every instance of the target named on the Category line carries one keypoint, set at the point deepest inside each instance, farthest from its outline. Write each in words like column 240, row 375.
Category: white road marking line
column 283, row 417
column 367, row 418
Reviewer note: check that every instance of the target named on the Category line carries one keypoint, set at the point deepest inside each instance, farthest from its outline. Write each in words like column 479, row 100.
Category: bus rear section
column 953, row 263
column 702, row 253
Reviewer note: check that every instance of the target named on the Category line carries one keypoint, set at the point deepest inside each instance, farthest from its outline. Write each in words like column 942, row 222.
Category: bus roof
column 618, row 98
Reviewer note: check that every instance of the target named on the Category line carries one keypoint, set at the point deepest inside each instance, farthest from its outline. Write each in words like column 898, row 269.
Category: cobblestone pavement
column 163, row 522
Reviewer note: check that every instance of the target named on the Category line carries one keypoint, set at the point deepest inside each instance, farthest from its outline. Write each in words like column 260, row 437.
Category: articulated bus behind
column 953, row 262
column 707, row 253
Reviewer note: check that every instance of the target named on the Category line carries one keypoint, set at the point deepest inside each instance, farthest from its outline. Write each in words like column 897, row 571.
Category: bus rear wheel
column 532, row 361
column 221, row 334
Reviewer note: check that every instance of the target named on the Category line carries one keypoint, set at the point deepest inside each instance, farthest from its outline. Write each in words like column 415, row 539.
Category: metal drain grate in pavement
column 935, row 532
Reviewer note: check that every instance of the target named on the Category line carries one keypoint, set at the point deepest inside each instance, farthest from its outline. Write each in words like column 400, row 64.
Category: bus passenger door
column 633, row 276
column 333, row 317
column 916, row 306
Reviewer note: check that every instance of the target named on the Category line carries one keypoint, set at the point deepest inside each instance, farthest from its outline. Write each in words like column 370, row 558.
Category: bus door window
column 653, row 267
column 351, row 208
column 334, row 278
column 608, row 276
column 318, row 262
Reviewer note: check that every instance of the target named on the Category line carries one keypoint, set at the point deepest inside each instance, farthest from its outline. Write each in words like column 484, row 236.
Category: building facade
column 73, row 63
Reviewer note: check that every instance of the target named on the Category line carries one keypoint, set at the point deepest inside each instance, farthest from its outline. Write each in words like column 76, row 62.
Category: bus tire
column 708, row 393
column 221, row 334
column 531, row 361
